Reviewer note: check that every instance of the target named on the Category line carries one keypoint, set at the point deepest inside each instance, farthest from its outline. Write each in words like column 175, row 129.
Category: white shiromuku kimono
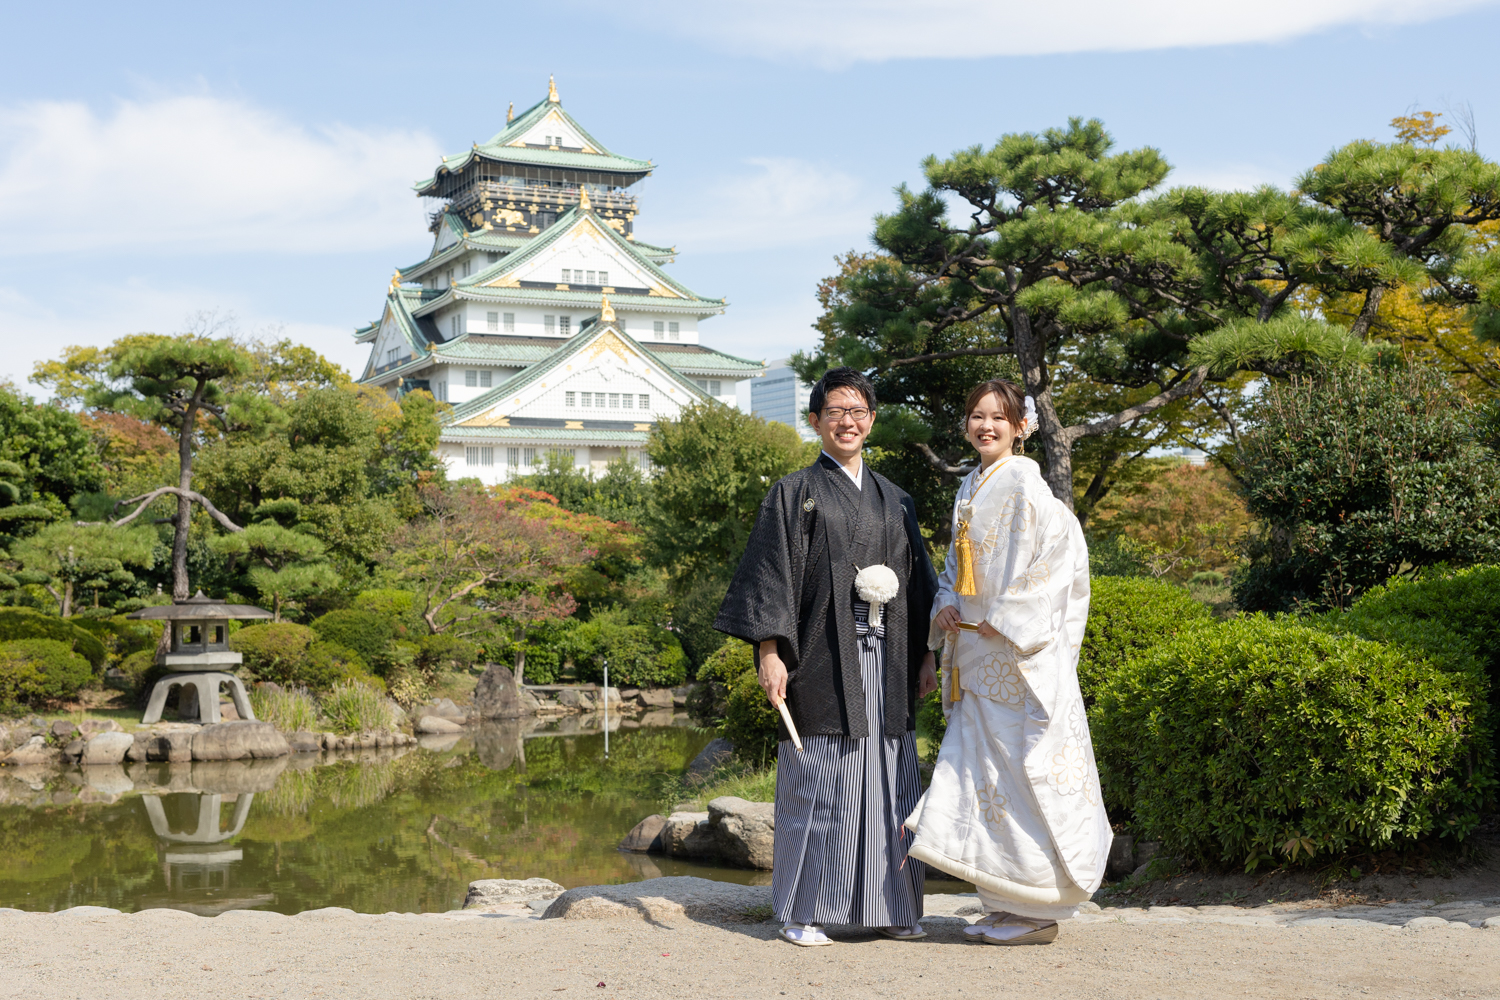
column 1014, row 805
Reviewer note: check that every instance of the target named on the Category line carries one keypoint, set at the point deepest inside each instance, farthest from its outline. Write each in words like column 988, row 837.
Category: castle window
column 591, row 279
column 614, row 401
column 588, row 399
column 510, row 322
column 493, row 257
column 492, row 322
column 513, row 457
column 549, row 324
column 453, row 324
column 479, row 456
column 674, row 329
column 390, row 356
column 450, row 275
column 484, row 379
column 603, row 277
column 645, row 461
column 565, row 325
column 627, row 400
column 528, row 457
column 471, row 378
column 466, row 269
column 657, row 327
column 645, row 401
column 713, row 388
column 567, row 277
column 568, row 399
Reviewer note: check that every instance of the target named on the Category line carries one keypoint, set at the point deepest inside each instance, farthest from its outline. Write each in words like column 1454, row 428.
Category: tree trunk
column 1057, row 443
column 1361, row 326
column 520, row 670
column 184, row 518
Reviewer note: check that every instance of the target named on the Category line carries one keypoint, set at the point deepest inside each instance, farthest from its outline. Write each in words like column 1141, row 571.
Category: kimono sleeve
column 1020, row 589
column 764, row 594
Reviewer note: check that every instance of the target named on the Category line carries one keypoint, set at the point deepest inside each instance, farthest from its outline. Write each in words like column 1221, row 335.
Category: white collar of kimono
column 854, row 476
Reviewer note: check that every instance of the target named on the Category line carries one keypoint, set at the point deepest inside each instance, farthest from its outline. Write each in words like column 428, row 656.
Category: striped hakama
column 840, row 805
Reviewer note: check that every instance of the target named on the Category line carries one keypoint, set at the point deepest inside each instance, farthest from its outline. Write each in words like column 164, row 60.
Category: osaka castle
column 538, row 315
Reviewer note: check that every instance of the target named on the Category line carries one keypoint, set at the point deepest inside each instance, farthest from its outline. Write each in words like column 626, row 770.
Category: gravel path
column 1276, row 952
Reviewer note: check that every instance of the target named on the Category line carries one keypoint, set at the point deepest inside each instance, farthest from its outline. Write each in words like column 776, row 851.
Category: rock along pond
column 375, row 831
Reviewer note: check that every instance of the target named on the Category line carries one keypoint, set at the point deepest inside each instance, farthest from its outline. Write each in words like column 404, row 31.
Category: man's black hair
column 841, row 378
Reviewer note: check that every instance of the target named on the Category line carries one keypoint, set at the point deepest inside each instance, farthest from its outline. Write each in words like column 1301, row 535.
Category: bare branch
column 963, row 352
column 939, row 464
column 1117, row 420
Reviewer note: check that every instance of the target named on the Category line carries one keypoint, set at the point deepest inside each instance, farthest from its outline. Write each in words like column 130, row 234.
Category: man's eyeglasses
column 836, row 413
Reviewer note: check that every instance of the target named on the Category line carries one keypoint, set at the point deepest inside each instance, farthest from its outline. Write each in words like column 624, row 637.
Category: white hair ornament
column 1028, row 422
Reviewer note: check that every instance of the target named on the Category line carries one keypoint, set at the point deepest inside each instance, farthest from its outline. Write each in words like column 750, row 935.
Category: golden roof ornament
column 552, row 97
column 583, row 199
column 510, row 113
column 606, row 311
column 396, row 281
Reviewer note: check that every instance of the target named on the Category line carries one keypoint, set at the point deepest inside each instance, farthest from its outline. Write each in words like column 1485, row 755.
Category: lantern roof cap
column 199, row 606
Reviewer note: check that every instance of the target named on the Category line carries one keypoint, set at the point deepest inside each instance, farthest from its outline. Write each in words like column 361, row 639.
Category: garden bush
column 640, row 654
column 749, row 720
column 932, row 724
column 368, row 633
column 446, row 652
column 1262, row 739
column 24, row 623
column 35, row 671
column 294, row 655
column 1127, row 616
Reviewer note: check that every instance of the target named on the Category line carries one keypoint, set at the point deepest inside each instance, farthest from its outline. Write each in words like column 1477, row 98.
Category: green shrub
column 1259, row 739
column 33, row 671
column 1128, row 616
column 119, row 635
column 368, row 633
column 1117, row 555
column 932, row 724
column 640, row 654
column 356, row 707
column 446, row 652
column 749, row 720
column 291, row 710
column 693, row 621
column 397, row 607
column 328, row 663
column 24, row 623
column 1435, row 614
column 273, row 651
column 138, row 669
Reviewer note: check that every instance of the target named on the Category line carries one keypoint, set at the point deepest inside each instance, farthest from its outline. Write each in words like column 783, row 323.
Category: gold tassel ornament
column 964, row 586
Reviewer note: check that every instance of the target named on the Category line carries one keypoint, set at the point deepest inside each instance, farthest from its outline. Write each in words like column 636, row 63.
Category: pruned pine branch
column 939, row 464
column 145, row 499
column 1183, row 388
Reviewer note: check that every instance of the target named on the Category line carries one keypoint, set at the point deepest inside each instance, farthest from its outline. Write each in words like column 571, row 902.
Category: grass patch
column 753, row 784
column 352, row 707
column 289, row 710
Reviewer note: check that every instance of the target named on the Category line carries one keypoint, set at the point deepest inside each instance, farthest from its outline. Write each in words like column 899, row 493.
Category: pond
column 374, row 831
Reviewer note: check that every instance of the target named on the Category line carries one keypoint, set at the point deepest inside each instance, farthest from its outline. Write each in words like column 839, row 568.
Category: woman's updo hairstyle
column 1012, row 403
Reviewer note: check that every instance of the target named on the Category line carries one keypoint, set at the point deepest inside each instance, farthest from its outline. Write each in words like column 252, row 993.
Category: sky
column 165, row 162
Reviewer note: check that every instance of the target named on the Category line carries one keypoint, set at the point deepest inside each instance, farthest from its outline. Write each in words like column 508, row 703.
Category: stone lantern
column 199, row 656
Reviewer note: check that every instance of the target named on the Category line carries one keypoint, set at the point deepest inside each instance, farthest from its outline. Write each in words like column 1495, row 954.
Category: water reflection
column 373, row 830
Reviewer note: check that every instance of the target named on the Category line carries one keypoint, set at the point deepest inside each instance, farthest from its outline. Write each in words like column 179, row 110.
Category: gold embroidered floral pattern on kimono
column 1014, row 804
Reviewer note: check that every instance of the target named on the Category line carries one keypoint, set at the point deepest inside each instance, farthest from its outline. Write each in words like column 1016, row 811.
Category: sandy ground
column 166, row 953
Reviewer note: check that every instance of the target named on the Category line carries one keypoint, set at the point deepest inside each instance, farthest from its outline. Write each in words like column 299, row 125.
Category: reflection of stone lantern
column 199, row 654
column 198, row 863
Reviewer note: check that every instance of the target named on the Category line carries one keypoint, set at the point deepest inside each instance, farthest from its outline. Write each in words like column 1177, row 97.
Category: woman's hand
column 988, row 631
column 927, row 681
column 947, row 619
column 772, row 673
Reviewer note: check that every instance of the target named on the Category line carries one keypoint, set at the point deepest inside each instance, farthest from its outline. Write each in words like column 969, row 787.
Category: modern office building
column 782, row 397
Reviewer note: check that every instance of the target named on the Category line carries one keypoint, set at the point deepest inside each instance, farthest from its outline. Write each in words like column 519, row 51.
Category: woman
column 1014, row 804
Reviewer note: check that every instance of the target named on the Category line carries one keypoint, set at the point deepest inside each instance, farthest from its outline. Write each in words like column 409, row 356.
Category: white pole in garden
column 606, row 710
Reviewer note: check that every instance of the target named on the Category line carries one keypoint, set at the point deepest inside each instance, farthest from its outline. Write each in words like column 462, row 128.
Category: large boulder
column 497, row 697
column 572, row 698
column 35, row 751
column 490, row 892
column 444, row 708
column 686, row 835
column 432, row 725
column 305, row 742
column 646, row 836
column 718, row 751
column 89, row 727
column 238, row 740
column 744, row 832
column 657, row 698
column 107, row 748
column 660, row 900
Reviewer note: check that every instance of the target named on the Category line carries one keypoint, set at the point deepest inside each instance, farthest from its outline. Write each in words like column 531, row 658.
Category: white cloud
column 779, row 202
column 1227, row 177
column 840, row 32
column 202, row 173
column 30, row 325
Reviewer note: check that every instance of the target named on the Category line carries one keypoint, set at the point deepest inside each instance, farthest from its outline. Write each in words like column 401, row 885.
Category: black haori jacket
column 795, row 584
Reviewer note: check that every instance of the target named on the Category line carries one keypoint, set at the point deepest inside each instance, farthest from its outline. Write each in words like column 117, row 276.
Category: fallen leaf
column 601, row 986
column 207, row 968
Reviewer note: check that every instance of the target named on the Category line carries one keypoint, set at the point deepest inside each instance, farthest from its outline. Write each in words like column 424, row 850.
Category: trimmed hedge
column 24, row 623
column 34, row 671
column 368, row 633
column 749, row 720
column 1127, row 617
column 293, row 655
column 1260, row 740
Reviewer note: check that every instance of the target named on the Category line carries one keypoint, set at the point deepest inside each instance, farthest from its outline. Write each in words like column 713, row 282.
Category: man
column 851, row 688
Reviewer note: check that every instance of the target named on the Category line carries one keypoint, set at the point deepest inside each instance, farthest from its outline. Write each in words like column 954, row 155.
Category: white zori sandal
column 1007, row 928
column 912, row 933
column 804, row 935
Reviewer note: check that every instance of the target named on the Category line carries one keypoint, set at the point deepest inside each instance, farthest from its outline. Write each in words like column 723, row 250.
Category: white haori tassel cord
column 879, row 585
